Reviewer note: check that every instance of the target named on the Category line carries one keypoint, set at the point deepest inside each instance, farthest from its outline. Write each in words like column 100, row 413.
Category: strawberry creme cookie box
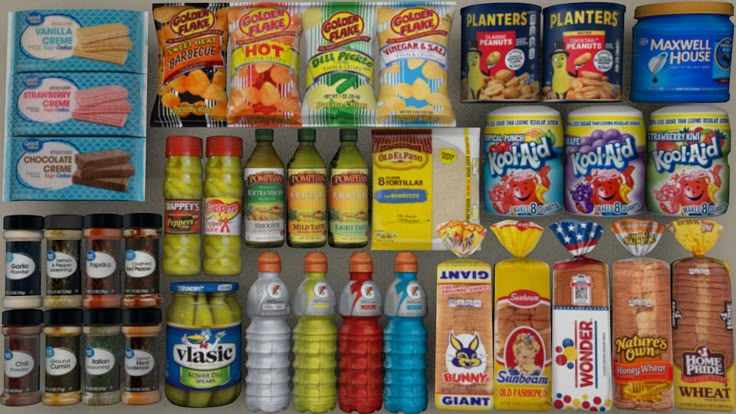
column 523, row 324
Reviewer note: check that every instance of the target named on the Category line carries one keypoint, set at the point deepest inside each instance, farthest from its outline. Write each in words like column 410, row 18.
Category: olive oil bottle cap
column 361, row 262
column 307, row 135
column 269, row 262
column 264, row 135
column 350, row 135
column 315, row 262
column 406, row 262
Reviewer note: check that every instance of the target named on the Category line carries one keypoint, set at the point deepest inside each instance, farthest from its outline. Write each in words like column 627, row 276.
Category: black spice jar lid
column 22, row 317
column 142, row 316
column 63, row 222
column 63, row 317
column 142, row 221
column 23, row 222
column 94, row 317
column 105, row 221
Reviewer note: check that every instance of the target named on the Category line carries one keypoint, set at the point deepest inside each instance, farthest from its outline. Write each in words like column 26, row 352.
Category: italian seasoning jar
column 63, row 236
column 23, row 235
column 142, row 330
column 63, row 373
column 103, row 262
column 22, row 331
column 142, row 232
column 103, row 351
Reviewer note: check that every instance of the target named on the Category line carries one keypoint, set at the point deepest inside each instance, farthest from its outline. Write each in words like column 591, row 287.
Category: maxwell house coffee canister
column 682, row 52
column 583, row 52
column 501, row 52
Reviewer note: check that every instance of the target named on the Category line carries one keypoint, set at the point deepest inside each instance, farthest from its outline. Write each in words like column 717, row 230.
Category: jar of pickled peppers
column 223, row 199
column 182, row 242
column 103, row 267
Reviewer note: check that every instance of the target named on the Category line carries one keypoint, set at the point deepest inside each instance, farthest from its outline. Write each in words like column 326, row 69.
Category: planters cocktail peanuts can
column 501, row 52
column 604, row 171
column 583, row 52
column 682, row 52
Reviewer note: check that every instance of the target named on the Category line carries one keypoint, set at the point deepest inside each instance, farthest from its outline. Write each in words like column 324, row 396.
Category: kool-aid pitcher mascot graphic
column 611, row 187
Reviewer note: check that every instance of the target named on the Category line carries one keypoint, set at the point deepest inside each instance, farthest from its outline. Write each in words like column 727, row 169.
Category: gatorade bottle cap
column 183, row 146
column 406, row 262
column 315, row 262
column 269, row 262
column 361, row 262
column 224, row 145
column 264, row 135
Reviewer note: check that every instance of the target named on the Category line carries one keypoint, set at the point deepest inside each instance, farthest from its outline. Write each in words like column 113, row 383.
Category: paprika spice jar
column 63, row 270
column 23, row 235
column 63, row 332
column 103, row 351
column 142, row 232
column 103, row 262
column 22, row 330
column 142, row 330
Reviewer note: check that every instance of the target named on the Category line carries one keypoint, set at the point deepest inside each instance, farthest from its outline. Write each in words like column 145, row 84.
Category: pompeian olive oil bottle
column 265, row 224
column 307, row 194
column 348, row 194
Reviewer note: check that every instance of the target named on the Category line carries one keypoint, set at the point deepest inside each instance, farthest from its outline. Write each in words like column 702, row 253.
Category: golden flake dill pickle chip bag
column 264, row 65
column 413, row 64
column 192, row 45
column 339, row 40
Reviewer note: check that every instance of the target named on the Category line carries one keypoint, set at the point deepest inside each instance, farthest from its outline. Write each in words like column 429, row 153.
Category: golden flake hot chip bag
column 264, row 65
column 339, row 38
column 192, row 40
column 413, row 64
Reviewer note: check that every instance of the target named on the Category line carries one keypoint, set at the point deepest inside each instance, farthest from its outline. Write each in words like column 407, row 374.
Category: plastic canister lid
column 264, row 135
column 605, row 110
column 315, row 262
column 104, row 221
column 63, row 222
column 684, row 7
column 183, row 146
column 207, row 287
column 688, row 109
column 224, row 145
column 500, row 7
column 63, row 317
column 350, row 135
column 361, row 262
column 269, row 262
column 405, row 262
column 142, row 316
column 22, row 317
column 584, row 6
column 307, row 135
column 142, row 221
column 23, row 222
column 102, row 317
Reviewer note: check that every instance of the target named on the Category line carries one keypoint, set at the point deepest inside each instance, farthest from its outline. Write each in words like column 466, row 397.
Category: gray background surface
column 468, row 115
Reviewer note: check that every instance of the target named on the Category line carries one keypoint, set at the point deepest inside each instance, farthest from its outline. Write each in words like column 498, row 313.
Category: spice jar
column 63, row 273
column 22, row 330
column 23, row 235
column 142, row 330
column 142, row 232
column 103, row 351
column 103, row 265
column 63, row 331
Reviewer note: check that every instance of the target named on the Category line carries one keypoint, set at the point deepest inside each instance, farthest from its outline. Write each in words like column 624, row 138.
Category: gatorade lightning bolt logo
column 320, row 290
column 365, row 291
column 274, row 290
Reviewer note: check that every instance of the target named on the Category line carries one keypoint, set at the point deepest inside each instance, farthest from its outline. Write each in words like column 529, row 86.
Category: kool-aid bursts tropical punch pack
column 523, row 325
column 581, row 339
column 702, row 321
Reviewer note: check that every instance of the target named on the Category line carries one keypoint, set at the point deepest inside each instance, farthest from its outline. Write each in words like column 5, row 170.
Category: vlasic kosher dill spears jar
column 203, row 350
column 682, row 52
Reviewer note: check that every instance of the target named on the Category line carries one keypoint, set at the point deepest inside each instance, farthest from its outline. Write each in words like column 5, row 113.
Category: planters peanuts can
column 583, row 52
column 501, row 52
column 523, row 171
column 604, row 170
column 682, row 52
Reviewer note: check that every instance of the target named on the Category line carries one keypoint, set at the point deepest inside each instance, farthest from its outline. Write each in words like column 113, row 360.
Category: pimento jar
column 142, row 233
column 23, row 235
column 142, row 332
column 63, row 236
column 103, row 260
column 63, row 372
column 22, row 331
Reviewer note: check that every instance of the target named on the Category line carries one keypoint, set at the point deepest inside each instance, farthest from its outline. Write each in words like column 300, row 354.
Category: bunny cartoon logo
column 466, row 356
column 465, row 360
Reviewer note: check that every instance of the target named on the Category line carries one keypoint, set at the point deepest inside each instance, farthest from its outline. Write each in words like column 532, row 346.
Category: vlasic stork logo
column 192, row 21
column 415, row 22
column 343, row 28
column 265, row 23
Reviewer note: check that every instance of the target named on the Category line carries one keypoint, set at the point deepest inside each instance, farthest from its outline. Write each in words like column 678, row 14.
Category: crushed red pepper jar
column 22, row 331
column 103, row 268
column 142, row 233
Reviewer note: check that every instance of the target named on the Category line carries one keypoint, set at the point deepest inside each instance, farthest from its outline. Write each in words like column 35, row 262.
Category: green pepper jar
column 223, row 199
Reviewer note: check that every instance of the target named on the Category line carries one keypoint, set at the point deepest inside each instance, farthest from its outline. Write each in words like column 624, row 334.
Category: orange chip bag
column 264, row 65
column 192, row 41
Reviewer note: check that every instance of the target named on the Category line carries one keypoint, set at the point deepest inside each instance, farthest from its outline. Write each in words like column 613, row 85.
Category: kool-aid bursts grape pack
column 604, row 172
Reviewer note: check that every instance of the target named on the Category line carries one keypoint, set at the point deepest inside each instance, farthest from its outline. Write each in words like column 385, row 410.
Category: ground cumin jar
column 103, row 267
column 142, row 233
column 63, row 236
column 22, row 330
column 142, row 330
column 63, row 332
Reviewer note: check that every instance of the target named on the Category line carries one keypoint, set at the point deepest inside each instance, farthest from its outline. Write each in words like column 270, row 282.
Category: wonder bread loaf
column 581, row 371
column 702, row 321
column 523, row 326
column 642, row 328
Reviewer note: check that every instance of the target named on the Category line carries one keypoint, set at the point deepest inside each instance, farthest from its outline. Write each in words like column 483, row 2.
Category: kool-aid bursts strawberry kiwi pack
column 523, row 169
column 687, row 168
column 604, row 169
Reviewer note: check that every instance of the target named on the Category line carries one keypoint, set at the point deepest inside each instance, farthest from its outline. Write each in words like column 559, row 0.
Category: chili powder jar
column 63, row 236
column 103, row 352
column 103, row 260
column 142, row 332
column 23, row 235
column 22, row 331
column 63, row 373
column 142, row 232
